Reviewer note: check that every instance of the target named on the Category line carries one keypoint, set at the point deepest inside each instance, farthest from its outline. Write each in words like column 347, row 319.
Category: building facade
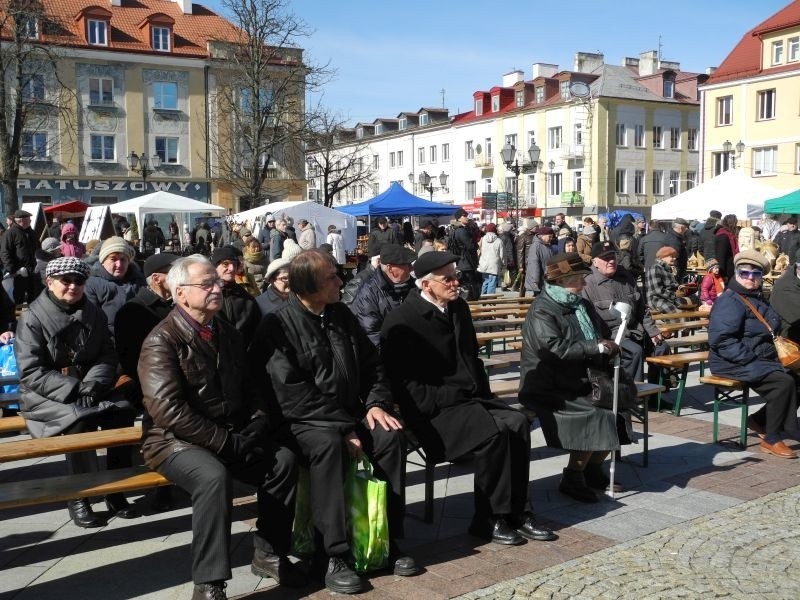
column 750, row 105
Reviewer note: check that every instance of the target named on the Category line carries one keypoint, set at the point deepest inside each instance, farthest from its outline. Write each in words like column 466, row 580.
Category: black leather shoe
column 210, row 591
column 500, row 533
column 401, row 564
column 279, row 568
column 81, row 513
column 342, row 579
column 530, row 530
column 119, row 506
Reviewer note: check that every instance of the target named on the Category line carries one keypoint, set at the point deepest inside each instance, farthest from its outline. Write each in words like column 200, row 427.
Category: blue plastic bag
column 8, row 367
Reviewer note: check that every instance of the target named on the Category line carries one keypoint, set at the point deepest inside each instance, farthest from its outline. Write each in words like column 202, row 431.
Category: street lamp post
column 426, row 182
column 727, row 147
column 143, row 165
column 509, row 155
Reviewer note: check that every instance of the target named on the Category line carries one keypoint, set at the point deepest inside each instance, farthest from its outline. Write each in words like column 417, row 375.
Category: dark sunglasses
column 70, row 279
column 754, row 274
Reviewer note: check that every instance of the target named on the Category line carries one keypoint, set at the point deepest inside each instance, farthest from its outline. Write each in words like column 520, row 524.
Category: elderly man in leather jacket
column 204, row 433
column 327, row 384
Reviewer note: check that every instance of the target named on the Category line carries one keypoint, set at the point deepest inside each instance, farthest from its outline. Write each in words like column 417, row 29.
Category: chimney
column 629, row 61
column 670, row 64
column 116, row 2
column 509, row 79
column 185, row 6
column 543, row 70
column 648, row 62
column 586, row 62
column 710, row 70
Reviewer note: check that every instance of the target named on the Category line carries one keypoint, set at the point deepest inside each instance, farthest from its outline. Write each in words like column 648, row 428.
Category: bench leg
column 715, row 427
column 646, row 430
column 681, row 384
column 743, row 424
column 429, row 476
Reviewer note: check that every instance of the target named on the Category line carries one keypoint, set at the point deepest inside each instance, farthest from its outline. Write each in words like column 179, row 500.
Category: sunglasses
column 754, row 274
column 70, row 279
column 447, row 279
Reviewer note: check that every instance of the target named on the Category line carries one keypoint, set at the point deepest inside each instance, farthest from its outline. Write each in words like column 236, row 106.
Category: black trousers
column 502, row 468
column 631, row 358
column 209, row 481
column 118, row 457
column 26, row 289
column 779, row 413
column 326, row 454
column 472, row 281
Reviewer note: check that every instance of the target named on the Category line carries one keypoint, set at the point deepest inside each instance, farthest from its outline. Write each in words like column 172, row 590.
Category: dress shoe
column 341, row 579
column 81, row 513
column 596, row 478
column 210, row 591
column 120, row 507
column 401, row 564
column 526, row 527
column 279, row 568
column 777, row 449
column 500, row 533
column 574, row 485
column 756, row 427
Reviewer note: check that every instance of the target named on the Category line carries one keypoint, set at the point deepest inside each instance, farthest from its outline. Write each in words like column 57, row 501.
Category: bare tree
column 34, row 103
column 258, row 109
column 336, row 157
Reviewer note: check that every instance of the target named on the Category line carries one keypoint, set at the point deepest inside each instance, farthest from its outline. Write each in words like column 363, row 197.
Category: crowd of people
column 251, row 358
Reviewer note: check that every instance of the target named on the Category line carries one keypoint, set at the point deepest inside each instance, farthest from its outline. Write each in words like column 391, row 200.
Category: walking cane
column 622, row 310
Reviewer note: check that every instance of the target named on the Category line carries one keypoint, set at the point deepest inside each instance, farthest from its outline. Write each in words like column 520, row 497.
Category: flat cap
column 395, row 254
column 67, row 265
column 751, row 257
column 602, row 248
column 432, row 261
column 159, row 263
column 21, row 214
column 224, row 253
column 565, row 264
column 680, row 221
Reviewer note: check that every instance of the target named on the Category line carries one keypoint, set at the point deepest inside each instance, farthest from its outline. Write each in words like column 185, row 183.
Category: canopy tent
column 615, row 216
column 397, row 202
column 318, row 215
column 67, row 210
column 788, row 203
column 732, row 192
column 164, row 203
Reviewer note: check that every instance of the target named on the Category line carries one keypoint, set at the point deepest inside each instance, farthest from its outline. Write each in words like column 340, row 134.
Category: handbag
column 602, row 394
column 303, row 530
column 788, row 351
column 369, row 527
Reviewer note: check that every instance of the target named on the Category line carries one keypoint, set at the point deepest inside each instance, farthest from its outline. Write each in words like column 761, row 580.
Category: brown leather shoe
column 778, row 449
column 756, row 428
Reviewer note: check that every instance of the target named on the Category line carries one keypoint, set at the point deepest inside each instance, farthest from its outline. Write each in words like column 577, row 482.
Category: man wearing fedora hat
column 18, row 252
column 538, row 255
column 430, row 351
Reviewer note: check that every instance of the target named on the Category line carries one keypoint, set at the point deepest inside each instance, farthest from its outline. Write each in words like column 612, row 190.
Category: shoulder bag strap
column 757, row 314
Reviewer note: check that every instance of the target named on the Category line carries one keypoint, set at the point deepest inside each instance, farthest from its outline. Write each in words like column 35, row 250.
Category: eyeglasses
column 283, row 278
column 205, row 285
column 754, row 274
column 71, row 279
column 448, row 279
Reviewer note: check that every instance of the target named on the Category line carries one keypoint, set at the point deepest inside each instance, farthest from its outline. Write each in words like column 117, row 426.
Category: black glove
column 86, row 400
column 256, row 427
column 237, row 446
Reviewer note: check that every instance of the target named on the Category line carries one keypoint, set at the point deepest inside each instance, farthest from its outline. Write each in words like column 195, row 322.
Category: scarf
column 562, row 297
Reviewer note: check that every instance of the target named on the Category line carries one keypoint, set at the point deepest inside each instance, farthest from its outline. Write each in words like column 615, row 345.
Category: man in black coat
column 463, row 245
column 708, row 235
column 17, row 251
column 431, row 355
column 238, row 307
column 788, row 240
column 785, row 299
column 676, row 238
column 651, row 243
column 382, row 235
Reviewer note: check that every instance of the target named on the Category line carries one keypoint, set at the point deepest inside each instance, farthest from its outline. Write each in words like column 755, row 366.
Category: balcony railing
column 575, row 151
column 483, row 160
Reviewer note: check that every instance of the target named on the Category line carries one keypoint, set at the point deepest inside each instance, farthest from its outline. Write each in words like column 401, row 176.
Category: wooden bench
column 694, row 341
column 487, row 338
column 677, row 364
column 12, row 424
column 504, row 387
column 731, row 392
column 686, row 314
column 640, row 415
column 677, row 327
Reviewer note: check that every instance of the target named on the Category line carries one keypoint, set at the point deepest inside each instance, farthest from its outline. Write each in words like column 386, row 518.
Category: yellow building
column 751, row 105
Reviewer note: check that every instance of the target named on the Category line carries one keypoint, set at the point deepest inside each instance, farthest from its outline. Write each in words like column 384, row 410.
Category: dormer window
column 403, row 123
column 359, row 132
column 777, row 53
column 479, row 107
column 97, row 32
column 160, row 26
column 564, row 90
column 378, row 129
column 669, row 84
column 495, row 103
column 519, row 98
column 539, row 94
column 160, row 38
column 27, row 27
column 423, row 119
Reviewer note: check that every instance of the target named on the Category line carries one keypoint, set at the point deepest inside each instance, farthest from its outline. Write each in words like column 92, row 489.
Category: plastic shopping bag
column 303, row 525
column 369, row 528
column 8, row 368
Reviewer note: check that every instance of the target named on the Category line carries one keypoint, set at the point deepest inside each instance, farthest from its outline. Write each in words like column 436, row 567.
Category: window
column 391, row 160
column 376, row 188
column 33, row 88
column 638, row 182
column 674, row 183
column 403, row 123
column 511, row 185
column 621, row 186
column 469, row 151
column 512, row 139
column 27, row 26
column 470, row 190
column 378, row 129
column 399, row 158
column 376, row 161
column 563, row 89
column 621, row 135
column 487, row 185
column 432, row 154
column 102, row 147
column 519, row 98
column 658, row 183
column 766, row 105
column 495, row 103
column 160, row 38
column 691, row 138
column 445, row 152
column 96, row 32
column 669, row 88
column 554, row 184
column 720, row 162
column 165, row 95
column 101, row 91
column 638, row 136
column 794, row 49
column 777, row 52
column 167, row 149
column 34, row 145
column 675, row 138
column 359, row 132
column 724, row 107
column 421, row 156
column 423, row 119
column 479, row 107
column 531, row 189
column 577, row 181
column 577, row 134
column 554, row 138
column 658, row 142
column 764, row 160
column 691, row 178
column 538, row 94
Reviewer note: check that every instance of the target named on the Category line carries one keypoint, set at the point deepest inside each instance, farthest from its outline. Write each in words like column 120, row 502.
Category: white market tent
column 731, row 192
column 164, row 203
column 318, row 215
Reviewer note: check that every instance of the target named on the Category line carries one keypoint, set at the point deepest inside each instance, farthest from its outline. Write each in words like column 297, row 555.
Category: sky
column 390, row 57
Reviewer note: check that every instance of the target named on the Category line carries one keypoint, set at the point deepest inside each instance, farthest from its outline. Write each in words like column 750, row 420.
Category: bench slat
column 722, row 381
column 69, row 487
column 678, row 360
column 15, row 423
column 62, row 444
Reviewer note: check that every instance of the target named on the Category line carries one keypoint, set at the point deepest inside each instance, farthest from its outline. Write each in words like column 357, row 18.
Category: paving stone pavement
column 751, row 550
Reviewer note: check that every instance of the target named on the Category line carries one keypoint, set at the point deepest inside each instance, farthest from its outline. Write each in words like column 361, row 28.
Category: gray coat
column 48, row 340
column 538, row 255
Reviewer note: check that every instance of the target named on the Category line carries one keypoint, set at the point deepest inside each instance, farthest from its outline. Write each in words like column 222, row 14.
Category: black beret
column 601, row 248
column 224, row 253
column 432, row 261
column 395, row 254
column 159, row 263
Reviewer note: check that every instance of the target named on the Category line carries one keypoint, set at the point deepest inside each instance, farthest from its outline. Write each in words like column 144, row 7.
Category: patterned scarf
column 567, row 299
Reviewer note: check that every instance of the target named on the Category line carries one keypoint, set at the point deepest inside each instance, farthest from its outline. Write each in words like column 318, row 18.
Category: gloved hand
column 237, row 446
column 86, row 400
column 256, row 427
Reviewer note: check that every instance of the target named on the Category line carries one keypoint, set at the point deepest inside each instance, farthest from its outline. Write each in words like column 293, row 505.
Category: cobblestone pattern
column 751, row 550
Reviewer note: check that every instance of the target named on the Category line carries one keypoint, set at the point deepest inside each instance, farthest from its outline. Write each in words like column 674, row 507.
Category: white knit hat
column 116, row 244
column 290, row 249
